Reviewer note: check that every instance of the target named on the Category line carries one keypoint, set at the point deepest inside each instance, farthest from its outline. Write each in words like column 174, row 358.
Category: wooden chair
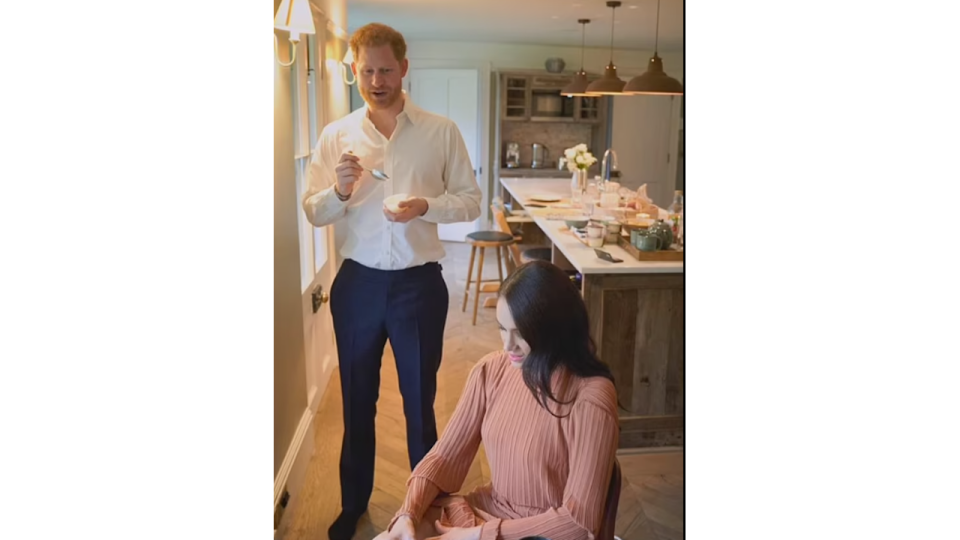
column 484, row 239
column 610, row 507
column 519, row 254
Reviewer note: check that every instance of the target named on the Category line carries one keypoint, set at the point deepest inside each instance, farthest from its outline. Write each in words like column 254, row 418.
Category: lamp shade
column 294, row 16
column 578, row 87
column 654, row 81
column 607, row 85
column 348, row 58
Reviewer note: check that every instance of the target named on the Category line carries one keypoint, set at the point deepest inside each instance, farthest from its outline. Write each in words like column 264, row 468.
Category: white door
column 318, row 338
column 317, row 270
column 643, row 129
column 453, row 93
column 313, row 104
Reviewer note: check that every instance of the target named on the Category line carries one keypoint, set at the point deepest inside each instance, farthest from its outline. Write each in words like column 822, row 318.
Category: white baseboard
column 327, row 368
column 293, row 470
column 313, row 399
column 315, row 395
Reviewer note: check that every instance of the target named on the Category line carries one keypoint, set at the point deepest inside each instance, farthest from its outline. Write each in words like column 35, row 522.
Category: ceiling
column 540, row 22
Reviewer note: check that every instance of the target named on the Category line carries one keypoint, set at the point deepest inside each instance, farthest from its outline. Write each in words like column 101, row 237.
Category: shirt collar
column 410, row 110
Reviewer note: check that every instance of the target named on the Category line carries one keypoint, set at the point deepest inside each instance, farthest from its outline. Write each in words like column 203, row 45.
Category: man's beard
column 387, row 101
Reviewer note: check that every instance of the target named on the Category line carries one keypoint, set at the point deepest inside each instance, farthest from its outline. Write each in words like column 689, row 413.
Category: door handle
column 319, row 297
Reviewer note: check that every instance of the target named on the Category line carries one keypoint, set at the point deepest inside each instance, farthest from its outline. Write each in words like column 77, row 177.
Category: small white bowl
column 391, row 202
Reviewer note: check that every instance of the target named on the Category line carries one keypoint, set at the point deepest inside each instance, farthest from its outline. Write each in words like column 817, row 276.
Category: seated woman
column 545, row 408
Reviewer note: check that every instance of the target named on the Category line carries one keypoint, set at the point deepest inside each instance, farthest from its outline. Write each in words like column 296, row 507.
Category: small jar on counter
column 613, row 231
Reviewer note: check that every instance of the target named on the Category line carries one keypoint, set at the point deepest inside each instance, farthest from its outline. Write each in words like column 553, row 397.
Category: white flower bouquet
column 578, row 158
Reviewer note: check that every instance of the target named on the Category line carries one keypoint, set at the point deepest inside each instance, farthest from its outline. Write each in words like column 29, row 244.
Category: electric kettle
column 540, row 155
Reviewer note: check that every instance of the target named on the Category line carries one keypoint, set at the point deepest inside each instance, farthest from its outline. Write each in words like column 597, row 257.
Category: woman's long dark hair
column 551, row 317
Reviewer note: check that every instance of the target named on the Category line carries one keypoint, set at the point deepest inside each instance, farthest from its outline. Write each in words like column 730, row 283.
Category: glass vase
column 578, row 184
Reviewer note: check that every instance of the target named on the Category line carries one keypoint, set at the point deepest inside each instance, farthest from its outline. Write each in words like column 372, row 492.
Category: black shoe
column 345, row 525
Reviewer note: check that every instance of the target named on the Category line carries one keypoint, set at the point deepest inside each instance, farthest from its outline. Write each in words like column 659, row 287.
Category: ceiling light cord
column 612, row 19
column 656, row 43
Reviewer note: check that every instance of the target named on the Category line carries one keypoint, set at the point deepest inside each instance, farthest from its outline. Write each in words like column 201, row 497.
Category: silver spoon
column 378, row 174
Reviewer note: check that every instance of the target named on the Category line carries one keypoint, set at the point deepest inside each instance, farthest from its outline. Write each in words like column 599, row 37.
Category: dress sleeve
column 445, row 466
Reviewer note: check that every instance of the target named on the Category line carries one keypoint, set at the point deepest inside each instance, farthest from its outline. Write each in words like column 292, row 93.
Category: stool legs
column 499, row 266
column 476, row 297
column 466, row 290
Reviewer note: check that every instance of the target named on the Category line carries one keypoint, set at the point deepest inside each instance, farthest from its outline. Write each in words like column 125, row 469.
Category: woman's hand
column 456, row 533
column 403, row 529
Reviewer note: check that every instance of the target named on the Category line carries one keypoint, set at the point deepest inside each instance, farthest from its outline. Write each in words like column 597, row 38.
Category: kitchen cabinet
column 526, row 97
column 516, row 97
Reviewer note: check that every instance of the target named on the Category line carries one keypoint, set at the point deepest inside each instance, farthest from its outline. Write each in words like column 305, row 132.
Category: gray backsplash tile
column 556, row 136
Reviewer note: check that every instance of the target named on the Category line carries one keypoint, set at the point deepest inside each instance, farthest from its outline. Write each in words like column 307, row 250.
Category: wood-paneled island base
column 636, row 318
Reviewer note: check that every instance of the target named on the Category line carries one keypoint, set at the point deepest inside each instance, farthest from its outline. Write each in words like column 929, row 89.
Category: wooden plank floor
column 651, row 500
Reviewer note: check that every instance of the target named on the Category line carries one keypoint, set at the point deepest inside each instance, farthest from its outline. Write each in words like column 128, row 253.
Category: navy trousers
column 369, row 306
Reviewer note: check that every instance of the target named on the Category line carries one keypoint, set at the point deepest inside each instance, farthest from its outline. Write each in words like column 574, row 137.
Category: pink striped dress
column 549, row 475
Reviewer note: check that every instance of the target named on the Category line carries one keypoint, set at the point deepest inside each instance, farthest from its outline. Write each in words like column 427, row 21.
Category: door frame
column 676, row 125
column 484, row 70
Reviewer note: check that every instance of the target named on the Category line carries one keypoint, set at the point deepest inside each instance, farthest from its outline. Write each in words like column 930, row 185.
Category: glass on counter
column 589, row 201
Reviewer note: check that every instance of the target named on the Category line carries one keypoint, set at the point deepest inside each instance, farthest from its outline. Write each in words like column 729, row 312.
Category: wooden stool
column 520, row 253
column 483, row 240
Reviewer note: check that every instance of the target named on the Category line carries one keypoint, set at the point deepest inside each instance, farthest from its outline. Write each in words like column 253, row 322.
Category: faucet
column 605, row 170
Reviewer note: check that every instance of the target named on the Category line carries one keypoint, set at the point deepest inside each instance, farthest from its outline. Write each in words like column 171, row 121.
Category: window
column 313, row 245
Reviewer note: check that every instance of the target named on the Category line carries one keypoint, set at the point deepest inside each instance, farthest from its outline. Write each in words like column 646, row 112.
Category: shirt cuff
column 490, row 530
column 421, row 493
column 336, row 196
column 434, row 210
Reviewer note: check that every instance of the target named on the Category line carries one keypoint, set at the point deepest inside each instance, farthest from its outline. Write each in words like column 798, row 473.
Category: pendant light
column 609, row 84
column 654, row 81
column 579, row 85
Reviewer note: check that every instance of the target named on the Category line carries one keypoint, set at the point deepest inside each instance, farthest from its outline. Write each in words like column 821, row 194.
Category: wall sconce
column 293, row 16
column 345, row 66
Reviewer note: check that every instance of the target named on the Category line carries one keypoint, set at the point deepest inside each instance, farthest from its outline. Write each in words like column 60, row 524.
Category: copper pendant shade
column 610, row 83
column 655, row 81
column 579, row 85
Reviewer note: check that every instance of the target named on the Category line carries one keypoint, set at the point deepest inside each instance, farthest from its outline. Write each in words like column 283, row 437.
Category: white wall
column 289, row 371
column 505, row 56
column 335, row 11
column 643, row 133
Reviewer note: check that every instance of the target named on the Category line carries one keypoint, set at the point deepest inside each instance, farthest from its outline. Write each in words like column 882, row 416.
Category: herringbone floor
column 651, row 501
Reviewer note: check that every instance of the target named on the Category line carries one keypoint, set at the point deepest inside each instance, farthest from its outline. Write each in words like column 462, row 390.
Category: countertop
column 582, row 257
column 551, row 172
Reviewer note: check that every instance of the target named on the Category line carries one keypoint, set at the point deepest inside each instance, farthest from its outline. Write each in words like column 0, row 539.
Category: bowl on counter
column 576, row 222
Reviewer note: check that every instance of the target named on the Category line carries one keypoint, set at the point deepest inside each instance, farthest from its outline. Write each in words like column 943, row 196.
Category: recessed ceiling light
column 633, row 7
column 555, row 17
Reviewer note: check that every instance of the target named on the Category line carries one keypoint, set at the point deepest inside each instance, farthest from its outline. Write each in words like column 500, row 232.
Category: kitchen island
column 636, row 319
